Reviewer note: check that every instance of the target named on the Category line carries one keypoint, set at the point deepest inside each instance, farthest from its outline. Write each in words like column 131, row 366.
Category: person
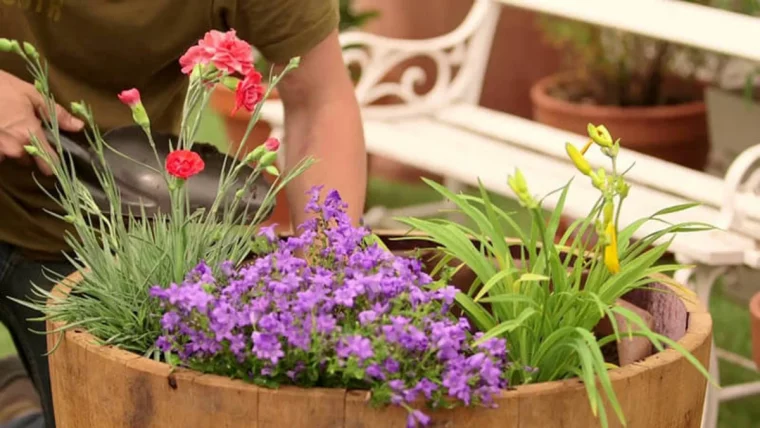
column 95, row 50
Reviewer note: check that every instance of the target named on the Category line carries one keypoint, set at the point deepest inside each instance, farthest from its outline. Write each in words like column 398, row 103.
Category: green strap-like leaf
column 482, row 319
column 507, row 326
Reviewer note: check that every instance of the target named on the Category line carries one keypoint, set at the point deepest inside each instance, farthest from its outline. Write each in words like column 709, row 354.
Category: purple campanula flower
column 268, row 232
column 267, row 347
column 367, row 317
column 296, row 313
column 356, row 346
column 163, row 344
column 447, row 294
column 426, row 387
column 170, row 321
column 417, row 417
column 326, row 323
column 374, row 371
column 391, row 365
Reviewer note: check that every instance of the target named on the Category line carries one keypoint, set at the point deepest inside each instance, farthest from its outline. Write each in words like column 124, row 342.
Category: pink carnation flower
column 249, row 91
column 224, row 50
column 272, row 144
column 130, row 97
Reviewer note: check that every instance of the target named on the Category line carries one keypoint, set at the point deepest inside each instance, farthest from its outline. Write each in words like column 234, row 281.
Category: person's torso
column 95, row 49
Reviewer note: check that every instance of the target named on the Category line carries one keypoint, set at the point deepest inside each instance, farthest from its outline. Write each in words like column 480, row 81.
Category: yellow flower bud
column 600, row 135
column 609, row 211
column 611, row 251
column 520, row 182
column 623, row 187
column 271, row 169
column 597, row 181
column 580, row 162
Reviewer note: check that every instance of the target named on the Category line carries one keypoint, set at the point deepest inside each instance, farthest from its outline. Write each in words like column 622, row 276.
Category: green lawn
column 731, row 319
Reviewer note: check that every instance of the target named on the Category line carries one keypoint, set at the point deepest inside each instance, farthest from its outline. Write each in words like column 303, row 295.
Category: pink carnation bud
column 272, row 144
column 130, row 97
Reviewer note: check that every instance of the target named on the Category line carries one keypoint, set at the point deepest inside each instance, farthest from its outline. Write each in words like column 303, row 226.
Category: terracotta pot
column 222, row 102
column 675, row 133
column 121, row 389
column 754, row 312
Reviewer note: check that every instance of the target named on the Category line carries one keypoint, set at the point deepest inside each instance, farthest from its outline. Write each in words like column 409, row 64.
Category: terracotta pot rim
column 698, row 330
column 540, row 97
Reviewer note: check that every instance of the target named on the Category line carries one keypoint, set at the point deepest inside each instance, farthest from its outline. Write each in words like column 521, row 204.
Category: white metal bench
column 444, row 131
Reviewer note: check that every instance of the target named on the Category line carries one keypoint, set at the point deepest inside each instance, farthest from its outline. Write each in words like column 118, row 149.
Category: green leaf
column 529, row 277
column 676, row 208
column 457, row 243
column 556, row 216
column 482, row 319
column 598, row 361
column 375, row 239
column 516, row 230
column 510, row 298
column 630, row 272
column 507, row 326
column 498, row 234
column 493, row 281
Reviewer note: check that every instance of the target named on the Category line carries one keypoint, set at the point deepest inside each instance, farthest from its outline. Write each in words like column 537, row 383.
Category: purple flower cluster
column 327, row 308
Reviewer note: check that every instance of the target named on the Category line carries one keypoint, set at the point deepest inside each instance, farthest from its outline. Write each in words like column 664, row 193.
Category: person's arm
column 322, row 121
column 322, row 117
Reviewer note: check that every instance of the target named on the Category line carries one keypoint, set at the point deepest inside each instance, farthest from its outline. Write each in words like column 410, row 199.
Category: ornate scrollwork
column 396, row 78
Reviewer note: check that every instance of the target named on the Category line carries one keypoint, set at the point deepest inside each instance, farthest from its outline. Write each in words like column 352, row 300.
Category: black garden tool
column 142, row 188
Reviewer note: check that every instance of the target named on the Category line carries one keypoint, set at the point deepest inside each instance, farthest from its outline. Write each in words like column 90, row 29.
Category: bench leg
column 701, row 279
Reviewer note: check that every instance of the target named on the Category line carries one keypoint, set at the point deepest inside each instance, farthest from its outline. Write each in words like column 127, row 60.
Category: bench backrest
column 384, row 68
column 681, row 22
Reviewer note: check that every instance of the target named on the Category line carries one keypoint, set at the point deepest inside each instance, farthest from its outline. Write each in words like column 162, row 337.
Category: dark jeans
column 16, row 276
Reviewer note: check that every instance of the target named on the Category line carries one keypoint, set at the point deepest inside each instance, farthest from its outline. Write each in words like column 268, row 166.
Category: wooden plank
column 295, row 407
column 648, row 171
column 675, row 21
column 426, row 144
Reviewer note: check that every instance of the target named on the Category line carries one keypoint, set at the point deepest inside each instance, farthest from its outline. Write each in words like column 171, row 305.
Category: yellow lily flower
column 611, row 259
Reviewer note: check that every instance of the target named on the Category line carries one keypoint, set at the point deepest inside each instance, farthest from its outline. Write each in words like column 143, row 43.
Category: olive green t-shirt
column 97, row 48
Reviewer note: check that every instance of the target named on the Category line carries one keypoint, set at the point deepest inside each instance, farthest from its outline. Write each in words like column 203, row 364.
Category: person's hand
column 21, row 107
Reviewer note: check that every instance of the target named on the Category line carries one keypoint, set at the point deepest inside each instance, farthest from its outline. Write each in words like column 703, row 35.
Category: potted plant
column 197, row 316
column 635, row 85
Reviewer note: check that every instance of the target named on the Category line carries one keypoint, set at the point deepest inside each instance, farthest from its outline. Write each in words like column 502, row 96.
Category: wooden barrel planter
column 98, row 386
